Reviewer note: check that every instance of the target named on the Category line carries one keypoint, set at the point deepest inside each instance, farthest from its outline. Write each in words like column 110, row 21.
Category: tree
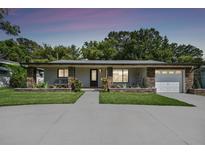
column 48, row 53
column 91, row 51
column 18, row 76
column 28, row 44
column 144, row 44
column 70, row 52
column 6, row 25
column 187, row 53
column 13, row 51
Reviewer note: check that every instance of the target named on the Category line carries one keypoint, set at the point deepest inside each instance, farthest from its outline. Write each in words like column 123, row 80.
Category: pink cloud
column 81, row 26
column 45, row 16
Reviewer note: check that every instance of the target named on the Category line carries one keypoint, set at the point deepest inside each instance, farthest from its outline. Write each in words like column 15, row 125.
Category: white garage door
column 168, row 80
column 167, row 86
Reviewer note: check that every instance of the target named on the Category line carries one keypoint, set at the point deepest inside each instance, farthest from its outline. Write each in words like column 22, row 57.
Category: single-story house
column 120, row 73
column 4, row 77
column 5, row 73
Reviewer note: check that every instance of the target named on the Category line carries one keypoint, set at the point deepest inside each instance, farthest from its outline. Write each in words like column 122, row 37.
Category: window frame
column 63, row 73
column 122, row 75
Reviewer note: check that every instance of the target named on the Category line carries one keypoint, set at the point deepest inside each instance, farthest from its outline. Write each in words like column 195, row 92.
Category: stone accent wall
column 109, row 81
column 31, row 76
column 137, row 90
column 71, row 76
column 197, row 91
column 150, row 78
column 109, row 77
column 189, row 79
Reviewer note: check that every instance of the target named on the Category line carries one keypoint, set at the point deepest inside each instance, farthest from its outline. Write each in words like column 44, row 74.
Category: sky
column 75, row 26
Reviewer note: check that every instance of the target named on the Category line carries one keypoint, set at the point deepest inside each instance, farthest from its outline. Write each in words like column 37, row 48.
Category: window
column 93, row 75
column 62, row 73
column 120, row 75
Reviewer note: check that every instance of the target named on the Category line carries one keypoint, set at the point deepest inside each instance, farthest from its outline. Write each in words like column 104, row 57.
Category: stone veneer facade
column 150, row 78
column 189, row 79
column 31, row 77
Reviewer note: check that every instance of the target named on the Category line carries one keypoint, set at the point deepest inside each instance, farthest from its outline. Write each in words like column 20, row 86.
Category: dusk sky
column 75, row 26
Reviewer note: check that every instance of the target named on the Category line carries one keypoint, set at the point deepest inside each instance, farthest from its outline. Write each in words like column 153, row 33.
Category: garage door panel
column 167, row 86
column 168, row 82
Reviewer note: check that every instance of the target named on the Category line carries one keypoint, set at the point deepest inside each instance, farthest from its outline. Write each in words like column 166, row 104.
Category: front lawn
column 138, row 98
column 11, row 97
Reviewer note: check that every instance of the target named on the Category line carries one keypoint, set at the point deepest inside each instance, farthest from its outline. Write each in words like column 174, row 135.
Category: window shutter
column 71, row 71
column 109, row 71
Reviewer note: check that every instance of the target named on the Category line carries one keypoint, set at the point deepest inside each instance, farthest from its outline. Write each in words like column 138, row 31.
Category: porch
column 91, row 77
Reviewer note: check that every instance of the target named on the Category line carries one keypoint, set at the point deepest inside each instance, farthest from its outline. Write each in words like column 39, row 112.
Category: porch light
column 100, row 70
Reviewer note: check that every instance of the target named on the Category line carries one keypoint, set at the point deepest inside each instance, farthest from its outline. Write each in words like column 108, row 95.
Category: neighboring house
column 5, row 73
column 202, row 69
column 120, row 73
column 4, row 77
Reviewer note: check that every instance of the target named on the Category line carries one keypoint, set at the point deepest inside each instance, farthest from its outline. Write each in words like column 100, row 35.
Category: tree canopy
column 143, row 44
column 6, row 26
column 25, row 50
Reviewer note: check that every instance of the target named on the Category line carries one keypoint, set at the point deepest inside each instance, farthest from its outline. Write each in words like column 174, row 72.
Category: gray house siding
column 83, row 74
column 50, row 75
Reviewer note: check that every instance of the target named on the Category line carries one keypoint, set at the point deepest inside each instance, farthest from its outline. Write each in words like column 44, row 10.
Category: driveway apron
column 88, row 122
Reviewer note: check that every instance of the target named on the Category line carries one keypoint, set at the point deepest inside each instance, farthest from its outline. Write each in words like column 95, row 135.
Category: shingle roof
column 3, row 61
column 123, row 62
column 3, row 69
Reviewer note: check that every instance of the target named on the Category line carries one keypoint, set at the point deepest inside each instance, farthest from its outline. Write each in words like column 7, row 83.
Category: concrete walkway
column 89, row 98
column 88, row 122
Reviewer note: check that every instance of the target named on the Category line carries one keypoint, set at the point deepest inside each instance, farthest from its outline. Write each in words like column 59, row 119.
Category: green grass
column 139, row 99
column 10, row 97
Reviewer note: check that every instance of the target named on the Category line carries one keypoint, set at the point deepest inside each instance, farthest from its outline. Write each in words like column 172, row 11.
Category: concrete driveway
column 88, row 122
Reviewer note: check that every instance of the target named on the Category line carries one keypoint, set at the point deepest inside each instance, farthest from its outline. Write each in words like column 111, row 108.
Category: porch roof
column 107, row 63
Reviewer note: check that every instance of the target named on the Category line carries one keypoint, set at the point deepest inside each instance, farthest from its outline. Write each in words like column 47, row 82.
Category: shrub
column 52, row 86
column 18, row 77
column 41, row 85
column 105, row 84
column 76, row 85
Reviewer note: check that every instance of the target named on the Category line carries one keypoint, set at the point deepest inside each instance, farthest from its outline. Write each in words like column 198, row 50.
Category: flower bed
column 137, row 90
column 197, row 91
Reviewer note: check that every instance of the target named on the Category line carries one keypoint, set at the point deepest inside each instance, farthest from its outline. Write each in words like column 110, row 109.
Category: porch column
column 109, row 76
column 150, row 78
column 71, row 75
column 31, row 76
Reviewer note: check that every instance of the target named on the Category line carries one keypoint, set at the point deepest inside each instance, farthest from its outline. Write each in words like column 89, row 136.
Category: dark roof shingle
column 123, row 62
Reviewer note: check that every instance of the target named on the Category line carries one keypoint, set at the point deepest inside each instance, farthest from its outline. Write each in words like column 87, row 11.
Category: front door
column 93, row 78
